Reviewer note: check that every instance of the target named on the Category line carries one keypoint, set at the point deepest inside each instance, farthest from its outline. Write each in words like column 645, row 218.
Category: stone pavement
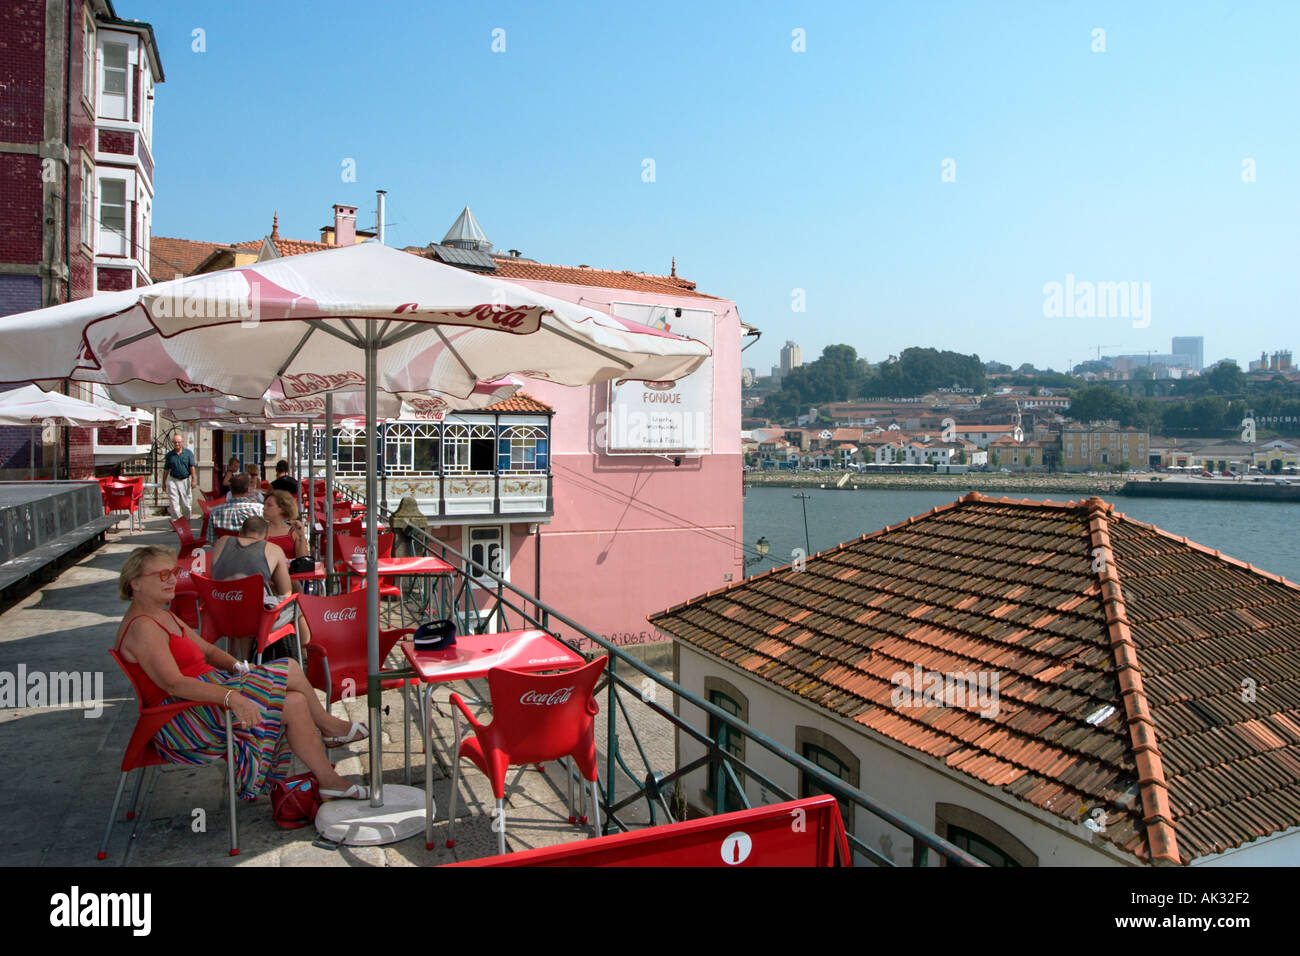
column 63, row 763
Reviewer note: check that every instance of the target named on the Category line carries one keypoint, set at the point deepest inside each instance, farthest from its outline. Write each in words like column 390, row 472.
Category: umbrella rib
column 320, row 324
column 408, row 329
column 454, row 354
column 133, row 338
column 587, row 345
column 296, row 349
column 359, row 340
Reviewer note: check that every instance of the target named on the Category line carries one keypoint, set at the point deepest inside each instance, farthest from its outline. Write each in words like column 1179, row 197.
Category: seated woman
column 281, row 513
column 232, row 467
column 275, row 712
column 248, row 553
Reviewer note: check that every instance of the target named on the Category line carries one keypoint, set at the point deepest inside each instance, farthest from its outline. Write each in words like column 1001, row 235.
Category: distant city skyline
column 935, row 192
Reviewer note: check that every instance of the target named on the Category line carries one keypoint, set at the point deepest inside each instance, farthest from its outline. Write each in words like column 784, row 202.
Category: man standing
column 180, row 469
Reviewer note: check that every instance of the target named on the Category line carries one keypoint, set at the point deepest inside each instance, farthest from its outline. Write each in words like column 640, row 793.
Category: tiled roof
column 287, row 247
column 519, row 402
column 171, row 257
column 510, row 268
column 1140, row 674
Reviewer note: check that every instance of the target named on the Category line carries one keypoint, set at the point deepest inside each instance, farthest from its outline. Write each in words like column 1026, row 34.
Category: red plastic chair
column 535, row 718
column 207, row 505
column 185, row 603
column 234, row 609
column 141, row 754
column 120, row 496
column 338, row 642
column 346, row 545
column 189, row 543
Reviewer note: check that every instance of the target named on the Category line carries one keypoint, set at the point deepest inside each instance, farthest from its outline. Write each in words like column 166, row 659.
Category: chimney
column 345, row 225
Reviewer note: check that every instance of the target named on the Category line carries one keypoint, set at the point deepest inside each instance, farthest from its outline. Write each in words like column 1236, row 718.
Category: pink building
column 640, row 522
column 609, row 503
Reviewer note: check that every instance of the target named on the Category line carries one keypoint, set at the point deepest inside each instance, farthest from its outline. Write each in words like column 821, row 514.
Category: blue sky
column 777, row 170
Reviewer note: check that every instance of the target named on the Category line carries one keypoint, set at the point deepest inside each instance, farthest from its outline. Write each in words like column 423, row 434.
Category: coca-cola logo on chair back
column 536, row 716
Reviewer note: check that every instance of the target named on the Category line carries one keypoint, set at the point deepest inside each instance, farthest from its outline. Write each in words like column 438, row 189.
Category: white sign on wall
column 663, row 417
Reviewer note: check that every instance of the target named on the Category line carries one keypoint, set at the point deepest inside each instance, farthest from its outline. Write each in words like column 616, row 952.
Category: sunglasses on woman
column 165, row 575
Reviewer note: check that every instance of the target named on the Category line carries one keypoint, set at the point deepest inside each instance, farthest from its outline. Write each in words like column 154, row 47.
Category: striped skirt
column 262, row 755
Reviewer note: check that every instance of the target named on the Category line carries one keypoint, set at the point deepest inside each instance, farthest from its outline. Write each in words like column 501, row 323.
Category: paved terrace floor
column 62, row 767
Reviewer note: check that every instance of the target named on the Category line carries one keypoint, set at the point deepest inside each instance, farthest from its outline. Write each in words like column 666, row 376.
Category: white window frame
column 90, row 73
column 503, row 551
column 146, row 216
column 128, row 194
column 105, row 97
column 457, row 438
column 521, row 438
column 146, row 106
column 89, row 222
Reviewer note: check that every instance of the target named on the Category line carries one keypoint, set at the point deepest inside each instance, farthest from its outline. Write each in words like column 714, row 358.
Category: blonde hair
column 134, row 565
column 286, row 503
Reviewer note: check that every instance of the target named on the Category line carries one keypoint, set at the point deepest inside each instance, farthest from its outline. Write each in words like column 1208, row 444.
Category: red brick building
column 76, row 168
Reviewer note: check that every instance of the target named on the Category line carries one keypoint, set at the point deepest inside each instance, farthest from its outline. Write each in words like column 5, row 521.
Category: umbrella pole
column 329, row 483
column 372, row 580
column 311, row 486
column 31, row 456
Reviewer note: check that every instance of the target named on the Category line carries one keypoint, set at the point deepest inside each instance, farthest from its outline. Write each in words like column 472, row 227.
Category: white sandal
column 354, row 792
column 358, row 731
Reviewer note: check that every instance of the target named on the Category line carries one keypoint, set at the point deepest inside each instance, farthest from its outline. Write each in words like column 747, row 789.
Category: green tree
column 1098, row 403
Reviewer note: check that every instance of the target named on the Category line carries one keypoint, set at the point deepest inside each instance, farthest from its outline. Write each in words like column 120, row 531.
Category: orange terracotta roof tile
column 520, row 402
column 169, row 258
column 1119, row 652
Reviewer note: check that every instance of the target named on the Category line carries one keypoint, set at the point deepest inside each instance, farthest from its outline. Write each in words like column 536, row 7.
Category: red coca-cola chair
column 346, row 545
column 185, row 602
column 188, row 543
column 207, row 505
column 337, row 653
column 235, row 610
column 120, row 496
column 535, row 718
column 141, row 754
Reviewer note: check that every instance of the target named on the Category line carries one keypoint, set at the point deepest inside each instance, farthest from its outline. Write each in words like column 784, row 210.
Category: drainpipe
column 67, row 168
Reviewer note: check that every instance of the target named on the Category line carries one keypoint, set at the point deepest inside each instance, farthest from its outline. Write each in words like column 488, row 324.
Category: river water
column 1263, row 533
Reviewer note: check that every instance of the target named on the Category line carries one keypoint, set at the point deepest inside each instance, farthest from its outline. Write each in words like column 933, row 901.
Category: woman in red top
column 272, row 705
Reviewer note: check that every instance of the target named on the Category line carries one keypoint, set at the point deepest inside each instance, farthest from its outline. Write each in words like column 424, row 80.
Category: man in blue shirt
column 180, row 470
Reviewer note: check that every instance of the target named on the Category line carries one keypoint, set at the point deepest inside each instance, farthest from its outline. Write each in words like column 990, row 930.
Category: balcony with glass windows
column 464, row 467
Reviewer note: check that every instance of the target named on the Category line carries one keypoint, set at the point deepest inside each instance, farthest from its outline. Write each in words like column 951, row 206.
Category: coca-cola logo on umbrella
column 560, row 696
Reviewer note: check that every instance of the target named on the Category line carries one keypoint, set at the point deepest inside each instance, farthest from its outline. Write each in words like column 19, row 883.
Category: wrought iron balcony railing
column 507, row 607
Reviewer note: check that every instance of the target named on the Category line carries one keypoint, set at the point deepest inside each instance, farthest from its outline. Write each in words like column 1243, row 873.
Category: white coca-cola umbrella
column 303, row 322
column 31, row 405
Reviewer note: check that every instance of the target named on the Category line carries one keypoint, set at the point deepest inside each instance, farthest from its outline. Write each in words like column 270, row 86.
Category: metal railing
column 457, row 601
